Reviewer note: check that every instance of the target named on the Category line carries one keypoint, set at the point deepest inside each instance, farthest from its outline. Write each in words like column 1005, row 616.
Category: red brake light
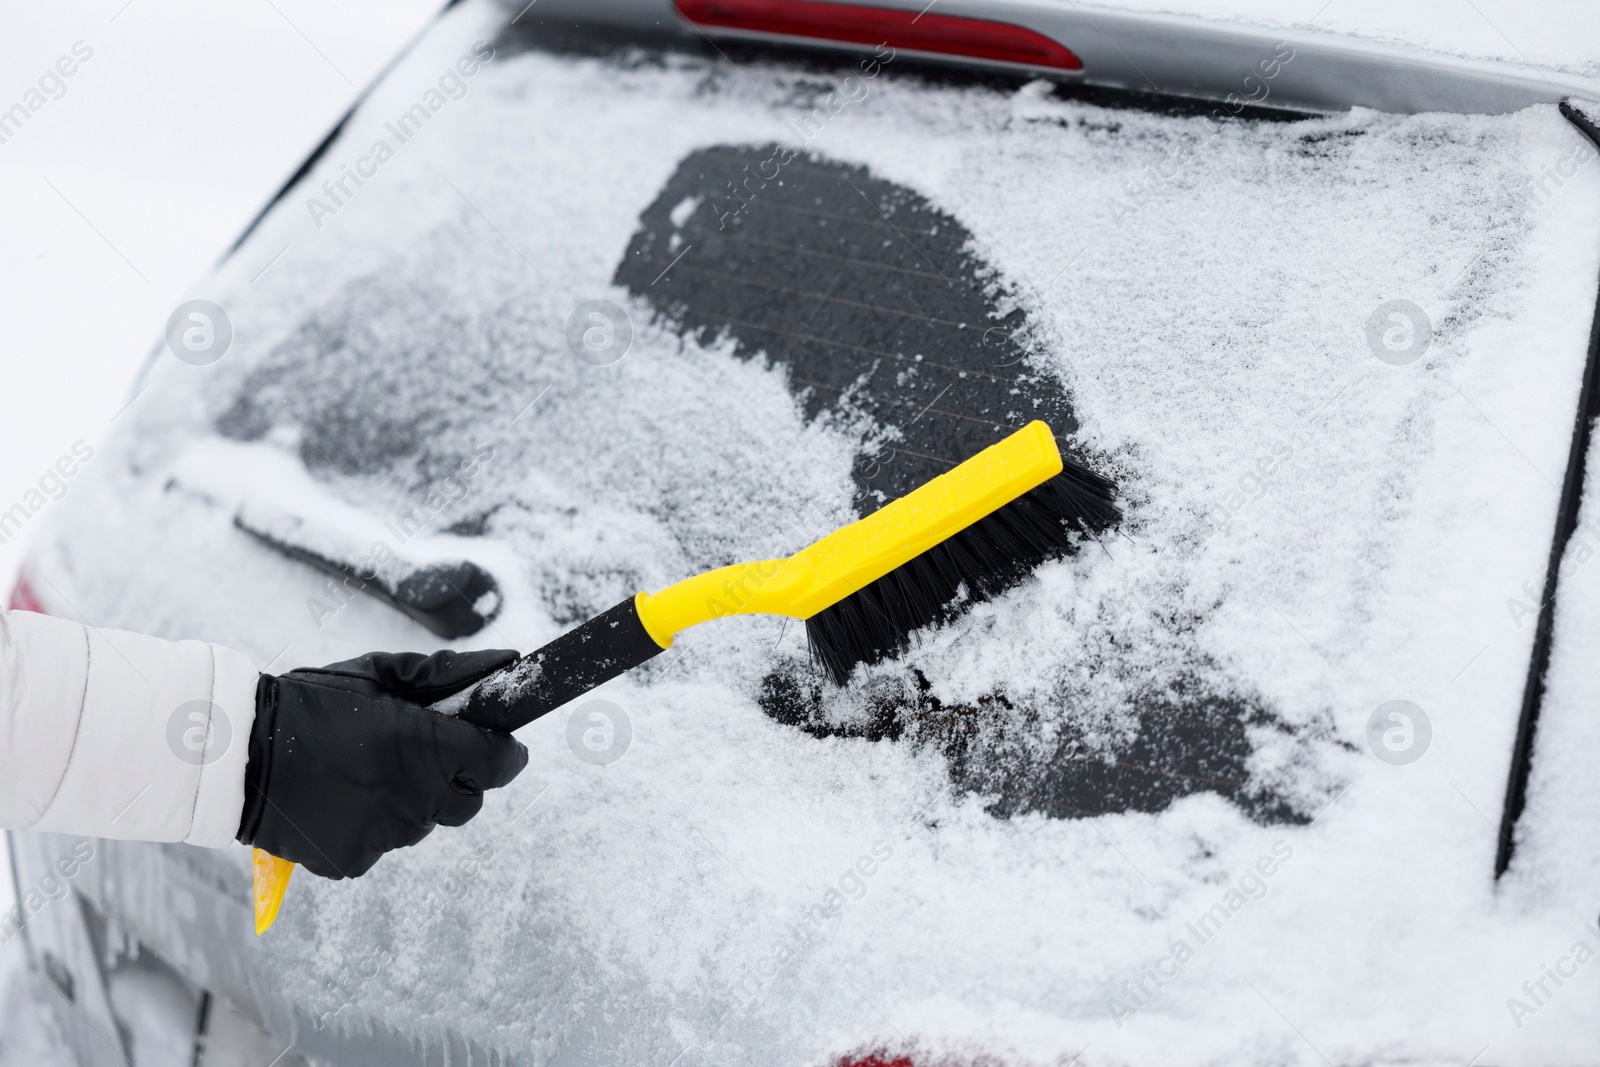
column 22, row 598
column 858, row 24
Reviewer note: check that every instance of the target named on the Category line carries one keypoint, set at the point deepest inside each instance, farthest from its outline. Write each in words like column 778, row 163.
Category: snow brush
column 964, row 537
column 863, row 590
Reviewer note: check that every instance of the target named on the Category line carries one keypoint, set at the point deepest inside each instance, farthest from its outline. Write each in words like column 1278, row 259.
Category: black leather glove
column 347, row 763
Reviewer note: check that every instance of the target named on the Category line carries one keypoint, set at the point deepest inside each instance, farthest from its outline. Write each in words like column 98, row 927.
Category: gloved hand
column 347, row 763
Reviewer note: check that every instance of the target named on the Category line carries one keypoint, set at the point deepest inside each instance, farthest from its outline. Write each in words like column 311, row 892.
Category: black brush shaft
column 984, row 560
column 579, row 660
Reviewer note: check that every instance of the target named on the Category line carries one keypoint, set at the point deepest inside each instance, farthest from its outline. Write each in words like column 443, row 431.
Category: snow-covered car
column 1289, row 766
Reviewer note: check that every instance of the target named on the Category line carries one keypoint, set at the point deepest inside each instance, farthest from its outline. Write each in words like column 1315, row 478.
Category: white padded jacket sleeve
column 105, row 733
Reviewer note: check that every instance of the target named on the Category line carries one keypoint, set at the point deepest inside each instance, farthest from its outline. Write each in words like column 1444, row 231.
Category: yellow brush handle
column 271, row 882
column 857, row 555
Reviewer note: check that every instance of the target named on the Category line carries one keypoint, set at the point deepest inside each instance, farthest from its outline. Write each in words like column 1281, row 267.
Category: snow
column 1555, row 34
column 1310, row 526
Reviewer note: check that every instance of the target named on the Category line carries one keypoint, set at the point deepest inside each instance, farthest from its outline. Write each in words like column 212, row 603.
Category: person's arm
column 116, row 734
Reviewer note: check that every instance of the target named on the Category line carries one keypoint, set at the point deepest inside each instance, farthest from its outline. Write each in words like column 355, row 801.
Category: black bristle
column 989, row 557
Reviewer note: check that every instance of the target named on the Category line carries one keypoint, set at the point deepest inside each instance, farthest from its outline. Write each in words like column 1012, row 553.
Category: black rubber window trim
column 1566, row 523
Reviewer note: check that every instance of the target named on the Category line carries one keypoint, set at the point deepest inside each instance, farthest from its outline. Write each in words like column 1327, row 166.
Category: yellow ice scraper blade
column 272, row 882
column 857, row 555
